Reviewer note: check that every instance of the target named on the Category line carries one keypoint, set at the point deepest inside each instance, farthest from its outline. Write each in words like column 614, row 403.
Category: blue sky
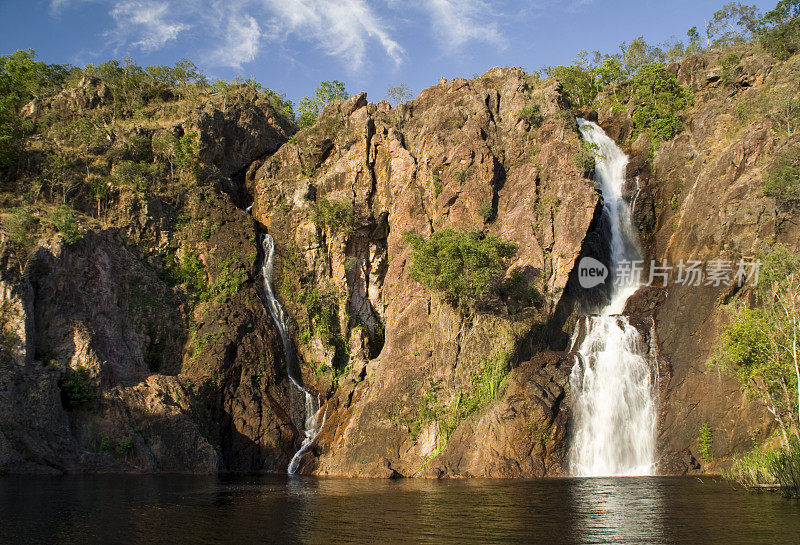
column 291, row 45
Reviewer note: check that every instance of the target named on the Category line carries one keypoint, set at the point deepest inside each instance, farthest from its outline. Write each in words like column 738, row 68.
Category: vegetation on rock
column 465, row 267
column 310, row 107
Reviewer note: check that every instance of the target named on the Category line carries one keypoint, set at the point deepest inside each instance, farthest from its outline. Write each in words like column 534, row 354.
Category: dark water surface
column 240, row 510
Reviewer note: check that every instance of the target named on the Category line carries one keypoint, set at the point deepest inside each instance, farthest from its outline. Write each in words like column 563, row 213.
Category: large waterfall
column 304, row 412
column 613, row 383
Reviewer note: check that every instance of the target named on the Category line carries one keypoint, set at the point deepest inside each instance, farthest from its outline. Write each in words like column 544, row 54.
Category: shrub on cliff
column 63, row 219
column 462, row 266
column 657, row 96
column 334, row 215
column 76, row 389
column 783, row 178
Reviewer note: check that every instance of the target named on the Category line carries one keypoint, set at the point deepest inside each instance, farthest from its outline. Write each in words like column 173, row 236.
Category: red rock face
column 458, row 156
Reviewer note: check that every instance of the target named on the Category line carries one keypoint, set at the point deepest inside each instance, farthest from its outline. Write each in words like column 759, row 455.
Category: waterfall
column 308, row 407
column 613, row 383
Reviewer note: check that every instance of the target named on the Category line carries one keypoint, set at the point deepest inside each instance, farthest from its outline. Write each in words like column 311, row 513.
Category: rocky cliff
column 145, row 345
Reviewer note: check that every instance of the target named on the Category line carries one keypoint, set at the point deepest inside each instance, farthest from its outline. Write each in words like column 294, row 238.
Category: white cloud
column 352, row 31
column 242, row 38
column 149, row 23
column 56, row 5
column 344, row 28
column 460, row 21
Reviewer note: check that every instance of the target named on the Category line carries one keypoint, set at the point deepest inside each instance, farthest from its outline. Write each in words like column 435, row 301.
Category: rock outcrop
column 458, row 156
column 145, row 346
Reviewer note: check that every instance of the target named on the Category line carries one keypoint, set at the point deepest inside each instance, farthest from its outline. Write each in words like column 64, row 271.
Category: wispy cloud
column 56, row 5
column 240, row 42
column 457, row 22
column 351, row 31
column 344, row 29
column 148, row 25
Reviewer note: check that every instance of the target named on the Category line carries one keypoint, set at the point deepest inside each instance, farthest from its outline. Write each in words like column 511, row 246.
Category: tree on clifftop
column 310, row 107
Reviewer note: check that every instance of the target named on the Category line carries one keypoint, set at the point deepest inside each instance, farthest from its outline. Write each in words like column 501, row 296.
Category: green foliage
column 704, row 442
column 437, row 184
column 276, row 99
column 778, row 31
column 228, row 282
column 188, row 272
column 729, row 63
column 639, row 54
column 584, row 159
column 125, row 446
column 695, row 42
column 462, row 266
column 731, row 24
column 577, row 80
column 657, row 96
column 140, row 177
column 779, row 466
column 133, row 87
column 335, row 215
column 321, row 306
column 310, row 107
column 76, row 389
column 517, row 291
column 88, row 135
column 757, row 347
column 485, row 386
column 532, row 115
column 63, row 219
column 776, row 267
column 186, row 152
column 105, row 443
column 21, row 226
column 610, row 75
column 21, row 79
column 486, row 211
column 783, row 177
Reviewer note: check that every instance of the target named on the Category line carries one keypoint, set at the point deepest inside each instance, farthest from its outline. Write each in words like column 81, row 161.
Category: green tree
column 779, row 30
column 610, row 75
column 731, row 24
column 165, row 145
column 76, row 388
column 639, row 54
column 577, row 81
column 63, row 219
column 310, row 107
column 695, row 42
column 658, row 96
column 21, row 79
column 463, row 266
column 761, row 346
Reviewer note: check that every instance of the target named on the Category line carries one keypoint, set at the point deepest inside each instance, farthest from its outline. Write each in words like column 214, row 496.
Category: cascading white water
column 310, row 402
column 614, row 406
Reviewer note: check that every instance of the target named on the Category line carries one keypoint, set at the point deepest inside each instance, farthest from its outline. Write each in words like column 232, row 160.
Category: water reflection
column 174, row 510
column 617, row 510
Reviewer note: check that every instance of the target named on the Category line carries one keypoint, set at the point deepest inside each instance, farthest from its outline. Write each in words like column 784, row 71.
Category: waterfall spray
column 613, row 382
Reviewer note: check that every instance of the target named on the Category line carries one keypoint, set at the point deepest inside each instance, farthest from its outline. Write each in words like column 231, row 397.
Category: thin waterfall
column 305, row 411
column 613, row 382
